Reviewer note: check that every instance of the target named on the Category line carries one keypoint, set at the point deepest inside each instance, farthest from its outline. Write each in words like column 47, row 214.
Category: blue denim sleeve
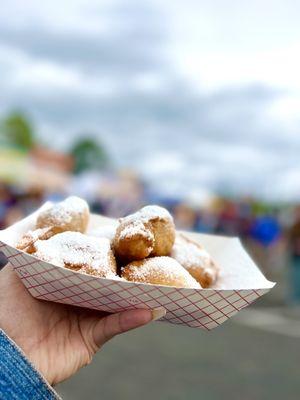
column 19, row 380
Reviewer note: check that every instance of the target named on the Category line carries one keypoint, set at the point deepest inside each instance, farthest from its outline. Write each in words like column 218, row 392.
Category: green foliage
column 88, row 154
column 17, row 131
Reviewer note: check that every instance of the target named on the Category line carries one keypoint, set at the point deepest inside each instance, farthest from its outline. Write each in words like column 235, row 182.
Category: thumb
column 114, row 324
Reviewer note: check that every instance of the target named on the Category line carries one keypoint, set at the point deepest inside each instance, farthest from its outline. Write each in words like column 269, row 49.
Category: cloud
column 186, row 117
column 121, row 42
column 221, row 44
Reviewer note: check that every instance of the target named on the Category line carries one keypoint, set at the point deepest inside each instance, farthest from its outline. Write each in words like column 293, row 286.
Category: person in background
column 293, row 236
column 184, row 216
column 44, row 343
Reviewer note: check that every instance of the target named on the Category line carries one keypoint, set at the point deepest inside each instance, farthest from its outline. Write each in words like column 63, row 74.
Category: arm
column 18, row 378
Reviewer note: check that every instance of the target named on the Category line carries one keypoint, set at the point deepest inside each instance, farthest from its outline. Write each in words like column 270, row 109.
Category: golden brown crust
column 134, row 244
column 149, row 232
column 71, row 214
column 164, row 236
column 88, row 269
column 206, row 276
column 192, row 256
column 28, row 240
column 78, row 252
column 159, row 271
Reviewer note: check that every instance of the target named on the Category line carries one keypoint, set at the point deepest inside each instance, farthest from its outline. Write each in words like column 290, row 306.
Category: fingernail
column 158, row 313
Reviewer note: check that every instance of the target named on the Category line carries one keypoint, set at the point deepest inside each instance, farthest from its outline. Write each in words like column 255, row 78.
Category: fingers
column 114, row 324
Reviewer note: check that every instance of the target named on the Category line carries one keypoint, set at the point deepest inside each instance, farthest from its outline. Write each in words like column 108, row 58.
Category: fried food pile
column 144, row 247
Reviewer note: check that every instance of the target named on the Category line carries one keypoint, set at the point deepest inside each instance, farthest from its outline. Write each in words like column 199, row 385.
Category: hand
column 59, row 339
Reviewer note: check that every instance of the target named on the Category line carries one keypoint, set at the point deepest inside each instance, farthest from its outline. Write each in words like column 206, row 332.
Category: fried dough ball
column 148, row 232
column 26, row 243
column 195, row 259
column 133, row 241
column 159, row 271
column 78, row 252
column 72, row 214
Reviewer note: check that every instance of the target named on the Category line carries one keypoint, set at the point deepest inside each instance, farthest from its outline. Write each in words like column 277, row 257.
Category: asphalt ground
column 239, row 360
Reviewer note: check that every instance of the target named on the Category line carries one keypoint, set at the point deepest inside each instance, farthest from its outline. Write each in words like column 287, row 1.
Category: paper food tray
column 239, row 284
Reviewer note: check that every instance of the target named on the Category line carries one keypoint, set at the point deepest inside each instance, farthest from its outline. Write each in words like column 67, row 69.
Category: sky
column 197, row 96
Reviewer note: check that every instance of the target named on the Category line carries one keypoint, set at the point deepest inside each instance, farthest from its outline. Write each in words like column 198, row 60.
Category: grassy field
column 163, row 361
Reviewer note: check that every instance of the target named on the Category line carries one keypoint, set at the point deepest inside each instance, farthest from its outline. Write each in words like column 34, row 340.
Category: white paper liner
column 239, row 284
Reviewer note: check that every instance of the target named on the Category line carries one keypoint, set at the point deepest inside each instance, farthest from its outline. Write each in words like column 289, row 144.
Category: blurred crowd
column 117, row 194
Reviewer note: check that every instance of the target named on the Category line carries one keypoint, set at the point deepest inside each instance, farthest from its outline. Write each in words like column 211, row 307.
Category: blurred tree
column 88, row 154
column 15, row 129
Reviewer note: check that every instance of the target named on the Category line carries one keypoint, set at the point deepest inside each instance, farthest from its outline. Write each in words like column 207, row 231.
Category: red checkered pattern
column 205, row 308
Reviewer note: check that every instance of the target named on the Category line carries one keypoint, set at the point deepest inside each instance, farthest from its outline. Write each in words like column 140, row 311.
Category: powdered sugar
column 135, row 224
column 29, row 238
column 148, row 213
column 106, row 231
column 135, row 228
column 78, row 251
column 154, row 211
column 161, row 268
column 190, row 254
column 63, row 212
column 35, row 234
